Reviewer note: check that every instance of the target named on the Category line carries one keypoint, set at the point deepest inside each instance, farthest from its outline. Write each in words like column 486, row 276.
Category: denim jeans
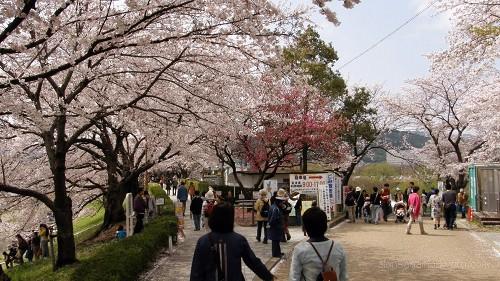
column 196, row 219
column 260, row 225
column 450, row 213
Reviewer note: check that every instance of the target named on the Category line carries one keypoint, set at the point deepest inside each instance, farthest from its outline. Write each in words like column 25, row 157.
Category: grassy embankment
column 111, row 260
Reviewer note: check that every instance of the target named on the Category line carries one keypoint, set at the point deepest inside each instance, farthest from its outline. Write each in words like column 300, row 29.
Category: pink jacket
column 414, row 202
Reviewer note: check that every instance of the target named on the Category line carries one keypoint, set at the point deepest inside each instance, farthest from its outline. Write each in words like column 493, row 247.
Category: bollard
column 170, row 245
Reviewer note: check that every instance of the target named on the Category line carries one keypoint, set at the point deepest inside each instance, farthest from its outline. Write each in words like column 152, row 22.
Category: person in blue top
column 182, row 195
column 121, row 233
column 275, row 221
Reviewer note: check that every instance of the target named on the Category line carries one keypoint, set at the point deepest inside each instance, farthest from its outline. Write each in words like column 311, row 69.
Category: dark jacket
column 350, row 200
column 360, row 199
column 196, row 204
column 203, row 267
column 275, row 220
column 375, row 198
column 139, row 204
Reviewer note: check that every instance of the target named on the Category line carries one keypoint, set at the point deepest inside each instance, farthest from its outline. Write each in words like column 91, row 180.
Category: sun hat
column 209, row 195
column 358, row 188
column 281, row 195
column 262, row 192
column 397, row 189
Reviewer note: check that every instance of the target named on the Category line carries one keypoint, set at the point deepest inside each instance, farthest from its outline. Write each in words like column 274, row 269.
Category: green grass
column 116, row 260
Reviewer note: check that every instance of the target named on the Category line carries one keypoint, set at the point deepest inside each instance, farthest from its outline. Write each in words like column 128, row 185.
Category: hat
column 461, row 190
column 358, row 188
column 262, row 192
column 281, row 195
column 209, row 195
column 397, row 189
column 210, row 188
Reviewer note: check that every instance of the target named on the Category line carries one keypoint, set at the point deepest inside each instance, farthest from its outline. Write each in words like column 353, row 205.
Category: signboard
column 331, row 189
column 338, row 191
column 271, row 186
column 307, row 184
column 315, row 187
column 160, row 201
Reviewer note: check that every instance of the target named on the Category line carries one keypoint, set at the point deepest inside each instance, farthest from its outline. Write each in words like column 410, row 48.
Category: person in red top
column 415, row 209
column 385, row 201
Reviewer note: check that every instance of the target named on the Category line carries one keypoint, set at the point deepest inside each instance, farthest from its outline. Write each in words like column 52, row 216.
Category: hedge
column 126, row 259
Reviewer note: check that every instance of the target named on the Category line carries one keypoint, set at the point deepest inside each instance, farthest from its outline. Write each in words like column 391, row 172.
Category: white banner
column 315, row 186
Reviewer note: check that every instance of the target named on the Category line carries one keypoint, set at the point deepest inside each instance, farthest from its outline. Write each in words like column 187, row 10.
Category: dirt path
column 385, row 252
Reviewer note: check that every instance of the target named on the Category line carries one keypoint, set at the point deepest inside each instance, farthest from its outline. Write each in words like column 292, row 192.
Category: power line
column 388, row 35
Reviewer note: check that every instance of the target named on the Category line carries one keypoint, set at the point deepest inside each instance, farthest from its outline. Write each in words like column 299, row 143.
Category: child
column 121, row 233
column 366, row 209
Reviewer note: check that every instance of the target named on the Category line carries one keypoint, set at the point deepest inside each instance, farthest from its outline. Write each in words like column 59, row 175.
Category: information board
column 315, row 187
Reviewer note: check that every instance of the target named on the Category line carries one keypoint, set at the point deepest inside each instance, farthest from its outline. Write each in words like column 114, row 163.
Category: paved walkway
column 385, row 252
column 178, row 266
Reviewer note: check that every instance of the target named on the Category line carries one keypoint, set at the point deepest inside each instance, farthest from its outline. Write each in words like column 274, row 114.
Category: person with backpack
column 195, row 208
column 275, row 219
column 218, row 254
column 208, row 206
column 318, row 258
column 350, row 202
column 261, row 207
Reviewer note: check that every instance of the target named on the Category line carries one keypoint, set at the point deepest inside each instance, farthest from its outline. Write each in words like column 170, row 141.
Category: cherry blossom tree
column 474, row 38
column 444, row 106
column 67, row 65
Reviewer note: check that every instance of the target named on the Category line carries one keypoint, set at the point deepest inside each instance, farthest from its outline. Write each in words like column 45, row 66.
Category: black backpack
column 218, row 250
column 264, row 211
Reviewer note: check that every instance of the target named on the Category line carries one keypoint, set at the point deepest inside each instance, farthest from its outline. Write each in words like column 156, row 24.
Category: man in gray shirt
column 450, row 209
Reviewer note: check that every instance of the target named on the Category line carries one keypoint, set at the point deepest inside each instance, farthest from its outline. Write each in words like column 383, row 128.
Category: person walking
column 182, row 196
column 208, row 206
column 168, row 185
column 318, row 254
column 261, row 207
column 287, row 209
column 276, row 222
column 350, row 202
column 140, row 211
column 174, row 186
column 191, row 190
column 449, row 198
column 385, row 202
column 298, row 210
column 44, row 240
column 375, row 205
column 436, row 205
column 360, row 200
column 415, row 209
column 195, row 208
column 218, row 254
column 463, row 201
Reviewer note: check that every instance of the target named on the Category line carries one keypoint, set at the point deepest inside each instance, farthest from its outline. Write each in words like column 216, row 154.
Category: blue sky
column 398, row 58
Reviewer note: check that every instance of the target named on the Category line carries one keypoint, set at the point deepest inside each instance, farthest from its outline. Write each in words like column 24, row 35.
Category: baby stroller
column 400, row 212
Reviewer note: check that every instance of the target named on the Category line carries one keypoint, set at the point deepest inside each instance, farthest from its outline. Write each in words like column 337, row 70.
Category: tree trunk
column 305, row 150
column 66, row 253
column 346, row 175
column 113, row 200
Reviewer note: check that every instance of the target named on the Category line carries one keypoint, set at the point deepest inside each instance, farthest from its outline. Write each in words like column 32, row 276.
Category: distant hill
column 399, row 140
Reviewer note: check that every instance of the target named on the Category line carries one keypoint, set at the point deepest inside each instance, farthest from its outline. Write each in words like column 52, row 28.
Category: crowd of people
column 33, row 248
column 410, row 203
column 218, row 254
